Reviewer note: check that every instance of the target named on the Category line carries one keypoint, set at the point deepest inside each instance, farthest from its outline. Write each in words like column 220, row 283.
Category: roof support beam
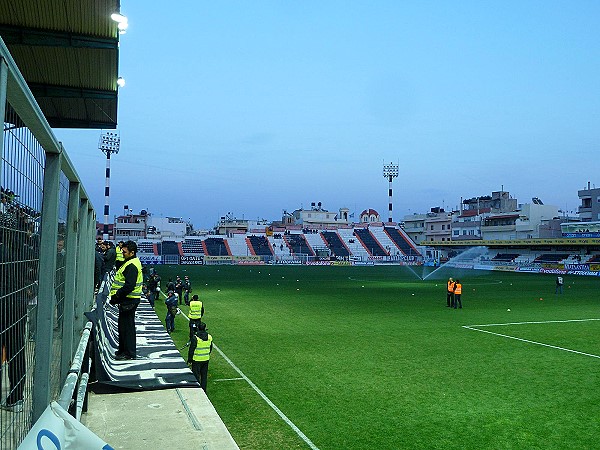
column 49, row 91
column 47, row 38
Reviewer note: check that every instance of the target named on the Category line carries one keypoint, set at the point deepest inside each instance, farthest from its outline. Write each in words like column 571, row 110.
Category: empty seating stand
column 505, row 257
column 145, row 247
column 335, row 244
column 260, row 245
column 192, row 246
column 402, row 243
column 298, row 244
column 551, row 258
column 594, row 259
column 170, row 248
column 369, row 242
column 216, row 247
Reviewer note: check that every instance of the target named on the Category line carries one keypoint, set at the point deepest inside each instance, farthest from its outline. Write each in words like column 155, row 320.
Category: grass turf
column 355, row 360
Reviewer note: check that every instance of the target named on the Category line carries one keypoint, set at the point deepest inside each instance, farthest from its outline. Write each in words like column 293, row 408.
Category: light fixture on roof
column 121, row 20
column 120, row 81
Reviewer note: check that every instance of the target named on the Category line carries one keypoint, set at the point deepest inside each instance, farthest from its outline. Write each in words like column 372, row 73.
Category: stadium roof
column 68, row 53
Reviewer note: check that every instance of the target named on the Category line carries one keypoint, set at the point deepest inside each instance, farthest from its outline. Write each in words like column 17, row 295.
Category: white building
column 533, row 219
column 317, row 217
column 414, row 226
column 167, row 227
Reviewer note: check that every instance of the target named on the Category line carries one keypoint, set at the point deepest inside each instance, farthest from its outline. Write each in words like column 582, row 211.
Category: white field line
column 471, row 327
column 526, row 323
column 269, row 402
column 263, row 396
column 229, row 379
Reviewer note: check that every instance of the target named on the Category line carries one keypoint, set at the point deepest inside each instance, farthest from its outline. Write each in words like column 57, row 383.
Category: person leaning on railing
column 18, row 274
column 126, row 292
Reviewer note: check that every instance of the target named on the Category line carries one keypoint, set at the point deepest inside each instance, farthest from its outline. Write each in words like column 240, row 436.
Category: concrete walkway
column 167, row 418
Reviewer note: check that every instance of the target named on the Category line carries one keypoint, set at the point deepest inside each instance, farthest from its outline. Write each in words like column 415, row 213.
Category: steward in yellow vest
column 199, row 354
column 196, row 312
column 120, row 258
column 125, row 292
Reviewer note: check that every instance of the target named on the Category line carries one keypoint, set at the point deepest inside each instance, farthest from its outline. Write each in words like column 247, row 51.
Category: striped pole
column 390, row 171
column 390, row 201
column 109, row 144
column 106, row 197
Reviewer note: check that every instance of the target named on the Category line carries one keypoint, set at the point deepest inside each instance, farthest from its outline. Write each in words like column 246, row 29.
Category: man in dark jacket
column 98, row 268
column 110, row 256
column 171, row 304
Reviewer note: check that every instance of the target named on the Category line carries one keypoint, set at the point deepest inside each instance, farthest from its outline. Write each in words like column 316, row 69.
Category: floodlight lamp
column 118, row 17
column 121, row 81
column 122, row 26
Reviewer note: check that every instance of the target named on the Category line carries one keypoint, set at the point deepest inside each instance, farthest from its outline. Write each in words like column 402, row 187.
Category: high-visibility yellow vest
column 450, row 286
column 119, row 280
column 119, row 251
column 195, row 309
column 202, row 351
column 458, row 289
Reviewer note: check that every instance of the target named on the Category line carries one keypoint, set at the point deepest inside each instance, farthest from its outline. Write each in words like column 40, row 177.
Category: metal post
column 81, row 269
column 3, row 83
column 46, row 296
column 72, row 244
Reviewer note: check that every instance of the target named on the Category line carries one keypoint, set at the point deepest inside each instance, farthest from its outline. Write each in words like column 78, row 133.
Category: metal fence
column 47, row 230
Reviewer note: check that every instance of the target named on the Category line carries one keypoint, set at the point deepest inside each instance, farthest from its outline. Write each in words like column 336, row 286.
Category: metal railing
column 70, row 399
column 47, row 230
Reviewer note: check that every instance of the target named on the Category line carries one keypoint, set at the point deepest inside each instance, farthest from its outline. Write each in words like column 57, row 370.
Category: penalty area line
column 269, row 402
column 532, row 342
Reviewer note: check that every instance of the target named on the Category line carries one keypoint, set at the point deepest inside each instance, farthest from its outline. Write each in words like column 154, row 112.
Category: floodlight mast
column 109, row 143
column 390, row 171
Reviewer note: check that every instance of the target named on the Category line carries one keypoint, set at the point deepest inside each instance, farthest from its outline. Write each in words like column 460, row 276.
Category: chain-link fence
column 47, row 230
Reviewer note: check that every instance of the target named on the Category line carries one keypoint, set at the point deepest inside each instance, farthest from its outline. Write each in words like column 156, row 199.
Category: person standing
column 171, row 304
column 187, row 288
column 119, row 257
column 170, row 285
column 152, row 290
column 559, row 285
column 98, row 267
column 110, row 256
column 15, row 280
column 457, row 294
column 125, row 292
column 450, row 293
column 179, row 289
column 199, row 354
column 195, row 315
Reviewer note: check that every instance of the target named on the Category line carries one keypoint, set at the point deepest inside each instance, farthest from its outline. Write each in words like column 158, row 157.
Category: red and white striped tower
column 109, row 144
column 390, row 171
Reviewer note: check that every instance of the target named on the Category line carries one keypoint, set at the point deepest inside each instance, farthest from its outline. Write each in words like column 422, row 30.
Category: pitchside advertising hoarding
column 240, row 260
column 150, row 259
column 198, row 260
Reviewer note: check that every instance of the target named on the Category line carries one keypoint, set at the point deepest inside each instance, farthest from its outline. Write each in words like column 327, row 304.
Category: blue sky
column 255, row 107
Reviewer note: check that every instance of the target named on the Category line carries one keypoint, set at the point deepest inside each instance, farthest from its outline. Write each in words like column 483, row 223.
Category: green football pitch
column 371, row 357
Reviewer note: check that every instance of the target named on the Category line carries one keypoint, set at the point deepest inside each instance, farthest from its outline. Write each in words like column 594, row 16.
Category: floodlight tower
column 109, row 144
column 390, row 171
